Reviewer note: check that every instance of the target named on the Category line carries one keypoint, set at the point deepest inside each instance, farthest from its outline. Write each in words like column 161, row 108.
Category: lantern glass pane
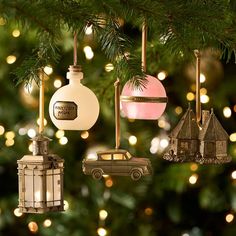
column 38, row 189
column 49, row 188
column 57, row 187
column 28, row 188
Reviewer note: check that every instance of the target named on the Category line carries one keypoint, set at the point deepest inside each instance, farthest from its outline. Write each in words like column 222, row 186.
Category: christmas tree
column 177, row 199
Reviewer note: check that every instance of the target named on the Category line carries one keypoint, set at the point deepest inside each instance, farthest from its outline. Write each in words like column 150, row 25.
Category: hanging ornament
column 40, row 175
column 147, row 103
column 74, row 106
column 117, row 161
column 198, row 139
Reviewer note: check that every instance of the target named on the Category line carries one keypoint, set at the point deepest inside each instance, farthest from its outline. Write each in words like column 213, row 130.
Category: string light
column 204, row 98
column 84, row 135
column 202, row 78
column 203, row 91
column 164, row 143
column 17, row 212
column 2, row 130
column 89, row 30
column 88, row 52
column 232, row 137
column 178, row 110
column 10, row 135
column 227, row 112
column 60, row 133
column 30, row 148
column 57, row 83
column 194, row 167
column 47, row 223
column 11, row 59
column 16, row 33
column 109, row 67
column 109, row 183
column 33, row 227
column 193, row 179
column 229, row 218
column 31, row 133
column 161, row 122
column 233, row 174
column 132, row 140
column 148, row 211
column 66, row 205
column 101, row 231
column 161, row 75
column 44, row 121
column 190, row 96
column 9, row 142
column 48, row 70
column 22, row 131
column 63, row 140
column 103, row 214
column 2, row 21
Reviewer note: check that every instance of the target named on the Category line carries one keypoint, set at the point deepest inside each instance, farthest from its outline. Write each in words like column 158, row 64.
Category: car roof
column 109, row 151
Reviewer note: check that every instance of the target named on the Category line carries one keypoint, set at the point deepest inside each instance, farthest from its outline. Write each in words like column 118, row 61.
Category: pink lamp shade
column 147, row 103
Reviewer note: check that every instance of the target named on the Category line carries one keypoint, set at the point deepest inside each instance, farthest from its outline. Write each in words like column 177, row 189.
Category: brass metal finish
column 41, row 103
column 144, row 99
column 117, row 112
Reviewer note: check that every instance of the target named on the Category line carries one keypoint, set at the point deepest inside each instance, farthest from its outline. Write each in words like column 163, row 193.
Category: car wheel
column 97, row 174
column 136, row 174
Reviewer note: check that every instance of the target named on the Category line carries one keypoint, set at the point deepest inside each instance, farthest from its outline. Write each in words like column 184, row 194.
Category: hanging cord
column 144, row 46
column 75, row 48
column 117, row 112
column 198, row 102
column 41, row 102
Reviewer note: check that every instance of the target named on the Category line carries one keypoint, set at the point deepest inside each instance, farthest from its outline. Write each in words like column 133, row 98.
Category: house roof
column 213, row 130
column 187, row 127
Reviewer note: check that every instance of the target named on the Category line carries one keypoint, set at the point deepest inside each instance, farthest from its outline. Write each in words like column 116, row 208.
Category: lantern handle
column 198, row 86
column 41, row 102
column 144, row 46
column 117, row 112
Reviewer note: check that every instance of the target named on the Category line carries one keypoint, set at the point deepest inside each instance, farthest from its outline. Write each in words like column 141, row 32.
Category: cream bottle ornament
column 74, row 106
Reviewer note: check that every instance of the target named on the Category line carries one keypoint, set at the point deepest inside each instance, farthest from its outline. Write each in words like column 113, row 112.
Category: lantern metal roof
column 213, row 130
column 187, row 127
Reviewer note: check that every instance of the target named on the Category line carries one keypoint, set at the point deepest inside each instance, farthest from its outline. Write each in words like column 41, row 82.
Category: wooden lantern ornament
column 40, row 175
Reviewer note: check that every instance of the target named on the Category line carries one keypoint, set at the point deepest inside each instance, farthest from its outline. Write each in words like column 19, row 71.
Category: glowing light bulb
column 132, row 140
column 84, row 135
column 33, row 227
column 148, row 211
column 204, row 98
column 44, row 121
column 103, row 214
column 229, row 218
column 89, row 30
column 2, row 130
column 47, row 223
column 60, row 133
column 232, row 137
column 74, row 106
column 16, row 33
column 178, row 110
column 233, row 175
column 66, row 205
column 63, row 140
column 10, row 135
column 109, row 67
column 164, row 143
column 227, row 112
column 161, row 75
column 9, row 142
column 193, row 179
column 48, row 70
column 57, row 83
column 31, row 133
column 11, row 59
column 88, row 52
column 101, row 231
column 202, row 78
column 17, row 212
column 190, row 96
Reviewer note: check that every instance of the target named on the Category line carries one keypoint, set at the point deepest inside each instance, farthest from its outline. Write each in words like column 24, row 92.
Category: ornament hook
column 117, row 112
column 41, row 102
column 75, row 48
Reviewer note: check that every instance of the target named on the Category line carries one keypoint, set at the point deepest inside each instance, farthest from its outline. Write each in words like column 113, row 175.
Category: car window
column 128, row 155
column 118, row 156
column 106, row 157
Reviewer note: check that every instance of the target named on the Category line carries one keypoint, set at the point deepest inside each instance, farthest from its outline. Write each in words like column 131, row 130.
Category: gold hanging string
column 117, row 112
column 75, row 48
column 144, row 46
column 41, row 102
column 198, row 86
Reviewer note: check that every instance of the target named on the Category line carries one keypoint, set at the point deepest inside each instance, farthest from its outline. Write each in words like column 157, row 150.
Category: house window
column 184, row 145
column 220, row 147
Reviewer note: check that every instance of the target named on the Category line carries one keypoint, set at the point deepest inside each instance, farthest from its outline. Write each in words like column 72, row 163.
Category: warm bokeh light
column 30, row 148
column 89, row 30
column 88, row 52
column 31, row 133
column 164, row 143
column 84, row 135
column 11, row 59
column 203, row 91
column 233, row 174
column 22, row 131
column 47, row 223
column 9, row 142
column 44, row 121
column 2, row 130
column 148, row 211
column 109, row 67
column 17, row 212
column 178, row 110
column 60, row 133
column 204, row 98
column 232, row 137
column 202, row 78
column 33, row 227
column 66, row 205
column 161, row 75
column 101, row 231
column 48, row 70
column 132, row 140
column 190, row 96
column 103, row 214
column 63, row 140
column 2, row 21
column 229, row 218
column 193, row 179
column 227, row 112
column 10, row 135
column 193, row 167
column 109, row 183
column 57, row 83
column 16, row 33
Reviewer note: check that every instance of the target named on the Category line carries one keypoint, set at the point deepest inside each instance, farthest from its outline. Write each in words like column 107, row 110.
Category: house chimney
column 205, row 116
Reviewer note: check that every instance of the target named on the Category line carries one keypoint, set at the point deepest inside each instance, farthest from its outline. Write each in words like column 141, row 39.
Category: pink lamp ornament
column 147, row 103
